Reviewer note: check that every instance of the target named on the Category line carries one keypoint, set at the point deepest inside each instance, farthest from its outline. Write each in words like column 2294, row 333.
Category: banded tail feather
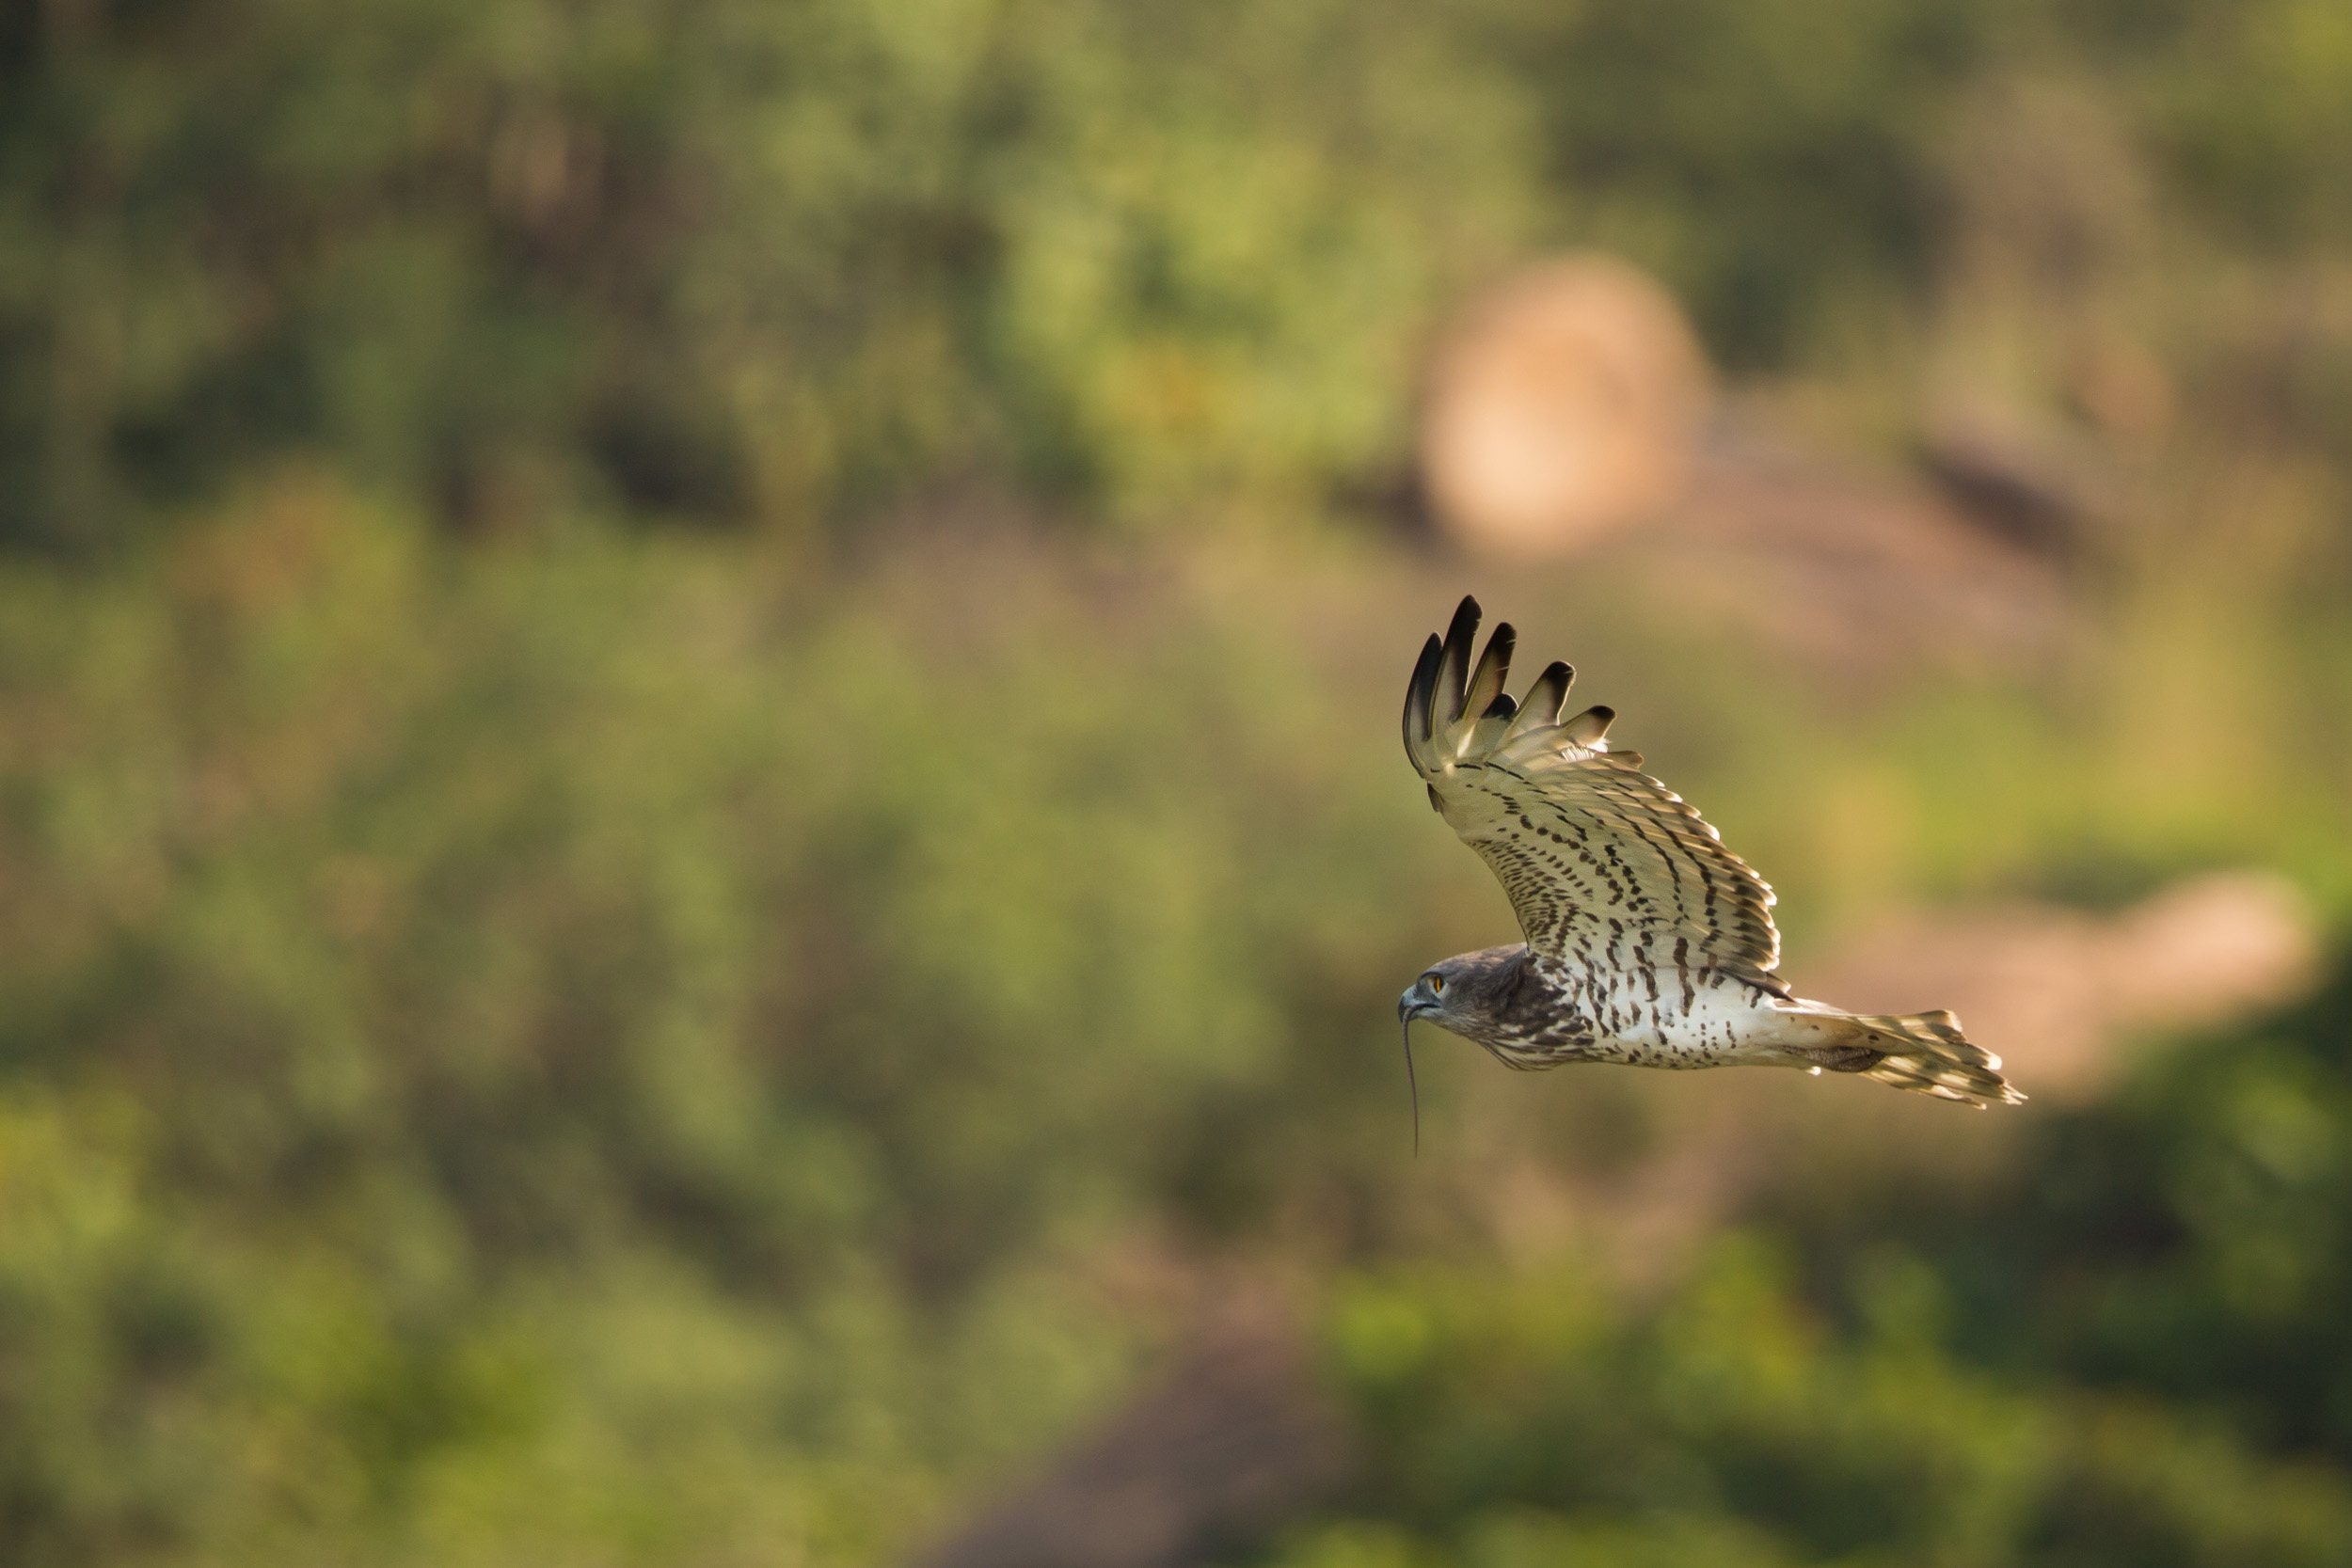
column 1923, row 1053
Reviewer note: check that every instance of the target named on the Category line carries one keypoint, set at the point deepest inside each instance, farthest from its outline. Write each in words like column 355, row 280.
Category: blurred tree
column 2184, row 1241
column 489, row 1046
column 1729, row 1424
column 618, row 1050
column 724, row 259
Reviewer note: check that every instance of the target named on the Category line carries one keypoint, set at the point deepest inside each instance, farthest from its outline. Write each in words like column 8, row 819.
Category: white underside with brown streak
column 1651, row 1018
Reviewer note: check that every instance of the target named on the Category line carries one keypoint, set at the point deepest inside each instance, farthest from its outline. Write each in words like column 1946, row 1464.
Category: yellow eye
column 1437, row 984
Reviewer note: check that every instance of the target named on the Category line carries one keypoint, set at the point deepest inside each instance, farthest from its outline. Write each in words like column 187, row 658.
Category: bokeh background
column 703, row 860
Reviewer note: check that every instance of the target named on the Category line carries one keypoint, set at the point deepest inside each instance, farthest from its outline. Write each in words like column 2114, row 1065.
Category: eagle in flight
column 1647, row 941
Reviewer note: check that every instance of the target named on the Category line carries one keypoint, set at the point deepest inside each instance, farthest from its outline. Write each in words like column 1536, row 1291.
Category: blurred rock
column 2012, row 475
column 1560, row 406
column 2052, row 991
column 1570, row 412
column 1862, row 572
column 1235, row 1438
column 2125, row 389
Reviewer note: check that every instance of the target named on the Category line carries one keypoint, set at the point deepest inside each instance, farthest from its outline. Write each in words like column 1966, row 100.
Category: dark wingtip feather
column 1550, row 690
column 1591, row 724
column 1454, row 664
column 1493, row 669
column 1501, row 708
column 1419, row 692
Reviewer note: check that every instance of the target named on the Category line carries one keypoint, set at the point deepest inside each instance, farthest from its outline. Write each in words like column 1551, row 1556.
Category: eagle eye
column 1437, row 984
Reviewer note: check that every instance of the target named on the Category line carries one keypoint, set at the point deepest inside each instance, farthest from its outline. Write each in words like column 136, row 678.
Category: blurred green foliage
column 572, row 1049
column 622, row 1051
column 2129, row 1349
column 724, row 259
column 791, row 264
column 2185, row 1241
column 531, row 1031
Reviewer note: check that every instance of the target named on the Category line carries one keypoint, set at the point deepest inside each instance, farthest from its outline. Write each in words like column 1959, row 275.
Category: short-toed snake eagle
column 1647, row 941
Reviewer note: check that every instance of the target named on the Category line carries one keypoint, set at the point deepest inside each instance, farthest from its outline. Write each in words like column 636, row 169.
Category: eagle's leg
column 1844, row 1058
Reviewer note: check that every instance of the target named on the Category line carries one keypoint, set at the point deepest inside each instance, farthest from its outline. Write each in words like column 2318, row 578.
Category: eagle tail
column 1922, row 1052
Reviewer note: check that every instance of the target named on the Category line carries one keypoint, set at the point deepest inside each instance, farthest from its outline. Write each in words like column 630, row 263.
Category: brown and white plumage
column 1647, row 941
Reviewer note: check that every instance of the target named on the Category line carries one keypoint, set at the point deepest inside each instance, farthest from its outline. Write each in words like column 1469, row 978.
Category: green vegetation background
column 696, row 716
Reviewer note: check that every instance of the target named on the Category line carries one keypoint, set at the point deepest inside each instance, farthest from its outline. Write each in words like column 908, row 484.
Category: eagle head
column 1467, row 994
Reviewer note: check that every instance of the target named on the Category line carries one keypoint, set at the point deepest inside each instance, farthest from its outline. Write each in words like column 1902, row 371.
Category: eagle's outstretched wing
column 1601, row 862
